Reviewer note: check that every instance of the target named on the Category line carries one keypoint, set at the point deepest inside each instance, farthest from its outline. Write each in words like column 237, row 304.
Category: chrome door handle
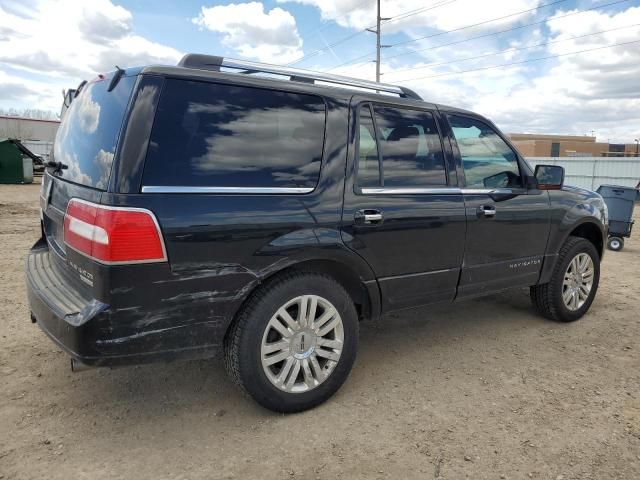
column 368, row 216
column 487, row 210
column 372, row 217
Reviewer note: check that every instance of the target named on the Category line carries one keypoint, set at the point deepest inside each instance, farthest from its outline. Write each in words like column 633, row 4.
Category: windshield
column 86, row 140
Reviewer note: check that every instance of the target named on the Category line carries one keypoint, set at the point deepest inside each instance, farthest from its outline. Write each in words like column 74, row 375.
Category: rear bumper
column 59, row 310
column 96, row 334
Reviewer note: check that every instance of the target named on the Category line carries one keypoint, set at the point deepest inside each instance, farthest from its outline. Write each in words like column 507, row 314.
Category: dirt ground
column 483, row 389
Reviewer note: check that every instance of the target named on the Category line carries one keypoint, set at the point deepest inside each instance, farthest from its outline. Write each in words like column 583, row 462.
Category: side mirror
column 549, row 177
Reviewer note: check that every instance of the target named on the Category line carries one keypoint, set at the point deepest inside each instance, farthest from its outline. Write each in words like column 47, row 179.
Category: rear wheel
column 615, row 243
column 294, row 343
column 573, row 284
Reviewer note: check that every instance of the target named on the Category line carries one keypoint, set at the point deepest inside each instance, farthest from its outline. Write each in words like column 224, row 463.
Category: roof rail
column 212, row 62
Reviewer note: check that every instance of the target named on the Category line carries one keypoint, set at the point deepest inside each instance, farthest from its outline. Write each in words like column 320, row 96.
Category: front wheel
column 573, row 284
column 294, row 343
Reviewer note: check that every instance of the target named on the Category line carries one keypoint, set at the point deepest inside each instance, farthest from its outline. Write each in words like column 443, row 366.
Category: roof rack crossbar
column 211, row 62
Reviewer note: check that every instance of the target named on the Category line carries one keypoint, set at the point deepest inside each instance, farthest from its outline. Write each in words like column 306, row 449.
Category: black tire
column 615, row 243
column 547, row 298
column 244, row 339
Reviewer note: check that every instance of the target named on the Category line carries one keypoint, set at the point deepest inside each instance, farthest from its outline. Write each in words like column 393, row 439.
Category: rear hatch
column 83, row 153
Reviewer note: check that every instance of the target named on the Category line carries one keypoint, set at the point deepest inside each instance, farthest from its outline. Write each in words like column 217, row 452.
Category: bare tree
column 35, row 113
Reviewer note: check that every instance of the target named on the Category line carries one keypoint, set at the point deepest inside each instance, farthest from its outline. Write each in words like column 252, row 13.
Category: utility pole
column 378, row 33
column 378, row 44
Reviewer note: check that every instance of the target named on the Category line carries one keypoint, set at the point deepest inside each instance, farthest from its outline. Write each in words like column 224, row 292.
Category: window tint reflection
column 411, row 149
column 221, row 135
column 487, row 160
column 368, row 164
column 86, row 139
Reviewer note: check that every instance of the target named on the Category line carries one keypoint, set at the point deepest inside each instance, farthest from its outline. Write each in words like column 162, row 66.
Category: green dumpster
column 14, row 166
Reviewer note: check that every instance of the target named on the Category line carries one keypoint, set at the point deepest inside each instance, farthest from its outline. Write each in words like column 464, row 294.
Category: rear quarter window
column 215, row 135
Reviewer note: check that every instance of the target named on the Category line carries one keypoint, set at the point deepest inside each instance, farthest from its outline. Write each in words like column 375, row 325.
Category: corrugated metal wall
column 591, row 172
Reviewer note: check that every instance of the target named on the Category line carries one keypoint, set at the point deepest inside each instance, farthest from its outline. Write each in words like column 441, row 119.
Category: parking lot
column 482, row 389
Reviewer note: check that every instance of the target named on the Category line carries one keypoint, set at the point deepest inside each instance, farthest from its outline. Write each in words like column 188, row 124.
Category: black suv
column 233, row 207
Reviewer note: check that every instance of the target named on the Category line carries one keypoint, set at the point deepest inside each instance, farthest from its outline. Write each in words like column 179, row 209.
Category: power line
column 320, row 50
column 348, row 62
column 509, row 50
column 416, row 11
column 328, row 24
column 517, row 63
column 389, row 20
column 519, row 27
column 359, row 32
column 479, row 23
column 484, row 35
column 458, row 29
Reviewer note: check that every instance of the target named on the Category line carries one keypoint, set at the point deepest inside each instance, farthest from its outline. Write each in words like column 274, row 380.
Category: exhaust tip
column 77, row 366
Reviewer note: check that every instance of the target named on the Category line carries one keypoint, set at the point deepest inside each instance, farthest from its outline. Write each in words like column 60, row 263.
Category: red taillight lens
column 113, row 234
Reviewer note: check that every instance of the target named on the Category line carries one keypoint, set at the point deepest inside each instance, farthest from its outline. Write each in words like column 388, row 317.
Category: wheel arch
column 589, row 230
column 364, row 292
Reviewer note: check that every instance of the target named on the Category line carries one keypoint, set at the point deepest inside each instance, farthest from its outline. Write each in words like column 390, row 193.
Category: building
column 535, row 145
column 36, row 135
column 28, row 128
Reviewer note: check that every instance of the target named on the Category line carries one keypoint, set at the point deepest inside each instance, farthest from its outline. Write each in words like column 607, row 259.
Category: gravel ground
column 482, row 389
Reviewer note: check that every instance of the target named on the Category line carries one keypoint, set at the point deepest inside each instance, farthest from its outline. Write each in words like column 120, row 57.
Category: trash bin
column 620, row 201
column 11, row 168
column 16, row 162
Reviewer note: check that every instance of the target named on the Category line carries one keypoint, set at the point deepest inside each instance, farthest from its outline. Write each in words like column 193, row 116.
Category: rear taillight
column 113, row 235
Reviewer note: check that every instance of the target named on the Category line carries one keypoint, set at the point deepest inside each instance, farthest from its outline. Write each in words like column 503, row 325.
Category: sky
column 534, row 66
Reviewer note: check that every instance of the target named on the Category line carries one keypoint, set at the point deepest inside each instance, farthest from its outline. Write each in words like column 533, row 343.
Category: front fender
column 572, row 210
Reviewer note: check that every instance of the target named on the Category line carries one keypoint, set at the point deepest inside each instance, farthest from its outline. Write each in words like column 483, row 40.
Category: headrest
column 400, row 133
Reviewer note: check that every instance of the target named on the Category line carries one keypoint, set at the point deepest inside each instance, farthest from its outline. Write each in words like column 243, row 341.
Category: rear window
column 86, row 140
column 409, row 145
column 213, row 135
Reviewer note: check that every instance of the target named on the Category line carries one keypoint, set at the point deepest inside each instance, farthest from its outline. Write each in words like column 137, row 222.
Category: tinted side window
column 368, row 162
column 411, row 149
column 222, row 135
column 487, row 160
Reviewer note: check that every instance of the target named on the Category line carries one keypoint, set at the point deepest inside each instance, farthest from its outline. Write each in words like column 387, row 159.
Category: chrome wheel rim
column 302, row 344
column 615, row 244
column 578, row 281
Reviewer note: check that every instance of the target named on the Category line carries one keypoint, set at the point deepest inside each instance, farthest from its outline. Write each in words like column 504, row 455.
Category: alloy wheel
column 302, row 344
column 578, row 280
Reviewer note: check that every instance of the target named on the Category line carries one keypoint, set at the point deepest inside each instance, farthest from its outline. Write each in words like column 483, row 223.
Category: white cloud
column 267, row 36
column 444, row 16
column 71, row 38
column 107, row 22
column 103, row 160
column 571, row 94
column 18, row 91
column 88, row 112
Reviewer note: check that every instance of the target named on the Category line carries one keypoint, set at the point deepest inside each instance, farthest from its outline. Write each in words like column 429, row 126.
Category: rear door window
column 409, row 145
column 86, row 140
column 215, row 135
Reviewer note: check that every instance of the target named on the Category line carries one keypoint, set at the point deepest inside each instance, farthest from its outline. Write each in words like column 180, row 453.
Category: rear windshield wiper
column 79, row 89
column 57, row 166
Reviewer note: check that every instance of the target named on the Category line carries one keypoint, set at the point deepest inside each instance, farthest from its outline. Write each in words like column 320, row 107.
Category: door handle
column 487, row 210
column 368, row 217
